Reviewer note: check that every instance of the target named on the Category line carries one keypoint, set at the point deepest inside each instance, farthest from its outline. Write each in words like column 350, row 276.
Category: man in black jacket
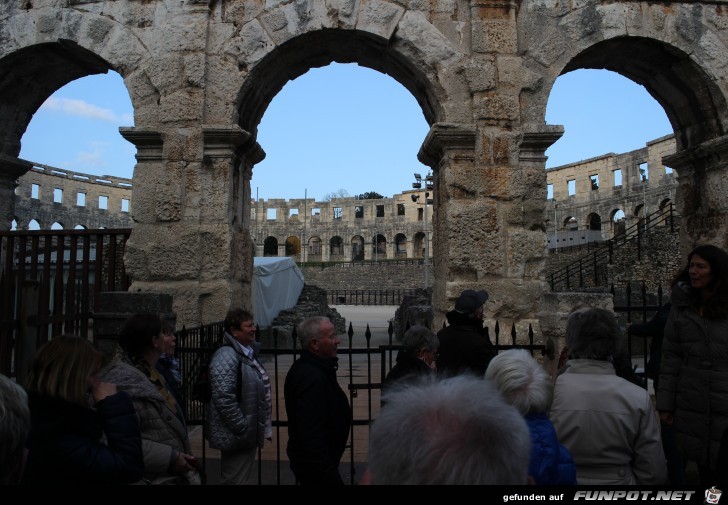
column 319, row 415
column 464, row 344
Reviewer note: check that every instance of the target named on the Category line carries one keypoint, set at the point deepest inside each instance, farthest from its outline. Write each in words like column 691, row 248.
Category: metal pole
column 427, row 248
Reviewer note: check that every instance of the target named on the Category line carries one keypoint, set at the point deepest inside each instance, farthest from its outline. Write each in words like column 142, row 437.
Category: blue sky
column 338, row 127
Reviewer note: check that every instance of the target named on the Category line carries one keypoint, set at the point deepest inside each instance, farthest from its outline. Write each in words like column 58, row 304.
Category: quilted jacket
column 163, row 433
column 236, row 415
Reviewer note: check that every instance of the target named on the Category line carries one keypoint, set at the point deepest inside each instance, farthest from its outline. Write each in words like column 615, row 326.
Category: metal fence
column 362, row 370
column 367, row 296
column 50, row 281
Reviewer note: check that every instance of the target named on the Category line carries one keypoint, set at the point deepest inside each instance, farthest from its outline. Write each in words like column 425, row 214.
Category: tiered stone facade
column 200, row 75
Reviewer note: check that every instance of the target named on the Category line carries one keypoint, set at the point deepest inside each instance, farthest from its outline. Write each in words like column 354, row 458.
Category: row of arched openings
column 357, row 244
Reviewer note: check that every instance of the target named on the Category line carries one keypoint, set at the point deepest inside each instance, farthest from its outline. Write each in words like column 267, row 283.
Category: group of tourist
column 454, row 410
column 586, row 425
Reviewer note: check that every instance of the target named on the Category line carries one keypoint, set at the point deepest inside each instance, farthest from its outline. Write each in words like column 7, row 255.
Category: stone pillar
column 191, row 236
column 325, row 247
column 488, row 228
column 115, row 307
column 11, row 169
column 701, row 195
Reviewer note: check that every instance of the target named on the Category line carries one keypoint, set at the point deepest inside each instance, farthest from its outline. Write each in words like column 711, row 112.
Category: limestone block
column 505, row 151
column 163, row 71
column 168, row 202
column 511, row 299
column 511, row 72
column 180, row 106
column 72, row 26
column 48, row 22
column 425, row 40
column 98, row 29
column 527, row 181
column 613, row 18
column 342, row 12
column 549, row 47
column 524, row 247
column 689, row 24
column 480, row 73
column 379, row 18
column 123, row 50
column 252, row 44
column 194, row 69
column 581, row 25
column 494, row 36
column 496, row 106
column 712, row 50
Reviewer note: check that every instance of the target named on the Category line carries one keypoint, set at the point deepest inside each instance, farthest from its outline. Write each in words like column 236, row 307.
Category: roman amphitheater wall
column 201, row 74
column 574, row 214
column 51, row 195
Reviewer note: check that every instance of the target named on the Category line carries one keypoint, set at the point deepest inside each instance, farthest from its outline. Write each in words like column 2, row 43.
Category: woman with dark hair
column 70, row 412
column 607, row 423
column 693, row 385
column 167, row 454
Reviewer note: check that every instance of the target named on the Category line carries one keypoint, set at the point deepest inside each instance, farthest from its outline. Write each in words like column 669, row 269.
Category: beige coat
column 609, row 425
column 163, row 433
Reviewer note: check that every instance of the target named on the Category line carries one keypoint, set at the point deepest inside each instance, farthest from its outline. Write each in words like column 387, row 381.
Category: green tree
column 369, row 195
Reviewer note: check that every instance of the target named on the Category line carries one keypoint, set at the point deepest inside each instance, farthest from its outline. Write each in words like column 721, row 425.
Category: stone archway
column 201, row 74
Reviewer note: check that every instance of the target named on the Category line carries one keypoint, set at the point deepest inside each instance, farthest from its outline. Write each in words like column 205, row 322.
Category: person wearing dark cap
column 464, row 344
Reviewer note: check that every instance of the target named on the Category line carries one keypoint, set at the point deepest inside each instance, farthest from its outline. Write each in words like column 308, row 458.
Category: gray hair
column 521, row 380
column 418, row 337
column 14, row 428
column 592, row 333
column 309, row 329
column 456, row 430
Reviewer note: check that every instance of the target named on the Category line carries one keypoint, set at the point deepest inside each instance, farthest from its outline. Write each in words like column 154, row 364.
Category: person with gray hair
column 608, row 424
column 14, row 428
column 526, row 385
column 319, row 415
column 417, row 358
column 455, row 430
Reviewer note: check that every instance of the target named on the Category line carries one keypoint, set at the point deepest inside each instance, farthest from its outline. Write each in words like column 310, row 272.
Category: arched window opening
column 270, row 246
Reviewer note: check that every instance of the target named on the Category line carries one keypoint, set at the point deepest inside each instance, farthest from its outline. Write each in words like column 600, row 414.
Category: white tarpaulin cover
column 277, row 283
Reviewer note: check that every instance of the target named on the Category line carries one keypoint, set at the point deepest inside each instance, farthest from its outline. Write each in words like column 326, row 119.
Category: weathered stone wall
column 590, row 205
column 67, row 212
column 201, row 74
column 366, row 276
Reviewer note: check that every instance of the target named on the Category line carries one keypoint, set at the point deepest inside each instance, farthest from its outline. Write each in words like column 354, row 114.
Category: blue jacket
column 551, row 463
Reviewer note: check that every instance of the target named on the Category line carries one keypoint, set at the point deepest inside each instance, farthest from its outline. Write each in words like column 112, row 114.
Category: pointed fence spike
column 513, row 332
column 351, row 330
column 368, row 334
column 390, row 329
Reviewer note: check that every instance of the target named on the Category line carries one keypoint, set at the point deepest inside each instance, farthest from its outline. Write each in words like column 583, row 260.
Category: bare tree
column 341, row 193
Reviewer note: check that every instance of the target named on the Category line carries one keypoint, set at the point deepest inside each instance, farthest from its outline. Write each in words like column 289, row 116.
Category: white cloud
column 95, row 157
column 80, row 108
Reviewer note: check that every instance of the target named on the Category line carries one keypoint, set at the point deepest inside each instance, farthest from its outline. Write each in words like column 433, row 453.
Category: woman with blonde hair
column 71, row 411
